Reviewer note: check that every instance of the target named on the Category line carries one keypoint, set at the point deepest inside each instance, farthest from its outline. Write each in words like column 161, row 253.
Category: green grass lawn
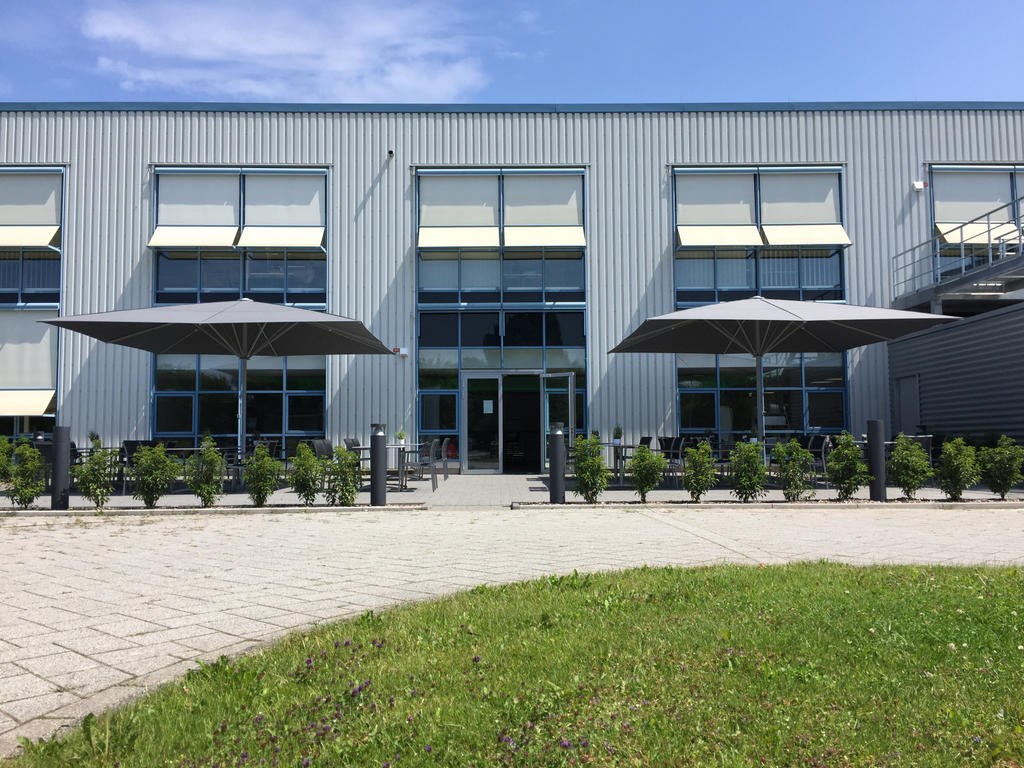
column 801, row 665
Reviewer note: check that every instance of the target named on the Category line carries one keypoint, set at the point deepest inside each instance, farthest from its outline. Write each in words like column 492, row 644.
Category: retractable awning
column 458, row 237
column 27, row 402
column 545, row 237
column 27, row 236
column 805, row 234
column 711, row 236
column 281, row 237
column 193, row 237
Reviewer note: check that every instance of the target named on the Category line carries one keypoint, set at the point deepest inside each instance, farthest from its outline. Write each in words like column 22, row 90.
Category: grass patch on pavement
column 808, row 664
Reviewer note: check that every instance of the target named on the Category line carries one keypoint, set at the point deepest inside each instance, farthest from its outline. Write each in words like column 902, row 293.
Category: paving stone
column 210, row 642
column 33, row 731
column 127, row 627
column 89, row 681
column 58, row 664
column 36, row 706
column 23, row 686
column 90, row 641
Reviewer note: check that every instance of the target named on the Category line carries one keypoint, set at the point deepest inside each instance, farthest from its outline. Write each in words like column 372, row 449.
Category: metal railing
column 957, row 250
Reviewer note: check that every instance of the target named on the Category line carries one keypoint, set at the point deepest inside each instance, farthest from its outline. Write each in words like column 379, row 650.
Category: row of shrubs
column 152, row 472
column 960, row 467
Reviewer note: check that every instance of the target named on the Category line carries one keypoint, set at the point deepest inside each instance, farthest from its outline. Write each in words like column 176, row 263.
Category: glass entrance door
column 481, row 419
column 559, row 396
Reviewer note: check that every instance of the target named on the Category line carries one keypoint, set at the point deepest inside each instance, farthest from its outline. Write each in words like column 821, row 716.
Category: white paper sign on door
column 488, row 406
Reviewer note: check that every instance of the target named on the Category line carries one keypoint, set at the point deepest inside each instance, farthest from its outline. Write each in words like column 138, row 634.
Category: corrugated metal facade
column 968, row 374
column 628, row 156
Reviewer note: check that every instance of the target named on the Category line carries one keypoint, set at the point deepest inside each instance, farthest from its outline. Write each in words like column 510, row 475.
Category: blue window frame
column 198, row 394
column 804, row 393
column 708, row 275
column 275, row 276
column 510, row 340
column 30, row 276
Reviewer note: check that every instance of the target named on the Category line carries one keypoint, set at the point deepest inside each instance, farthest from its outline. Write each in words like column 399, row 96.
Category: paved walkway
column 95, row 610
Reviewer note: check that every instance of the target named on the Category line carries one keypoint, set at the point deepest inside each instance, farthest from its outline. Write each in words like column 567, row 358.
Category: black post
column 876, row 458
column 61, row 468
column 378, row 465
column 556, row 464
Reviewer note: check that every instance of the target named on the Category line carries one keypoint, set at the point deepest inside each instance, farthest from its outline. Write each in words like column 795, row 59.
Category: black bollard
column 556, row 464
column 876, row 458
column 61, row 468
column 378, row 465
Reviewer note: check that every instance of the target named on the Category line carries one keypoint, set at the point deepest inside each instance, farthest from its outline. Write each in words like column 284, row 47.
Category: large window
column 976, row 216
column 30, row 236
column 209, row 274
column 704, row 276
column 228, row 233
column 508, row 340
column 500, row 281
column 197, row 395
column 774, row 232
column 803, row 393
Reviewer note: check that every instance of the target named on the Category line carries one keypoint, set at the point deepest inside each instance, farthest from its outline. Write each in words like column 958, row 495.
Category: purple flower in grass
column 428, row 748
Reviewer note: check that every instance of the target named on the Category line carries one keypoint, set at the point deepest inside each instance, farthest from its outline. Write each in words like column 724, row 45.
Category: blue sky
column 522, row 51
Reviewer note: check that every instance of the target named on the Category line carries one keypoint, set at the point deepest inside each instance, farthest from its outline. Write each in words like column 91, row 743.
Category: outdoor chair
column 322, row 448
column 645, row 441
column 352, row 444
column 674, row 457
column 444, row 456
column 427, row 457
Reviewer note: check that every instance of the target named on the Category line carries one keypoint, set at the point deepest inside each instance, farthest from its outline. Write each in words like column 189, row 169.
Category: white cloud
column 417, row 50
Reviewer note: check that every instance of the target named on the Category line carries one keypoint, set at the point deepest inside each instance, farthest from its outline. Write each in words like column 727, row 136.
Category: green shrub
column 307, row 473
column 845, row 467
column 699, row 475
column 591, row 479
column 26, row 476
column 153, row 471
column 908, row 467
column 6, row 451
column 94, row 477
column 794, row 469
column 1001, row 465
column 646, row 469
column 262, row 473
column 958, row 469
column 749, row 471
column 343, row 475
column 204, row 472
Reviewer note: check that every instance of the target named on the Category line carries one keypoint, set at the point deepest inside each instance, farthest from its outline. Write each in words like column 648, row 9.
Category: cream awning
column 26, row 402
column 281, row 237
column 458, row 237
column 545, row 237
column 977, row 232
column 24, row 236
column 193, row 237
column 805, row 234
column 724, row 235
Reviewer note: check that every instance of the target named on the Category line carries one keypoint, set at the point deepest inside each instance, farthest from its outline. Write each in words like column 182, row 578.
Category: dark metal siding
column 970, row 373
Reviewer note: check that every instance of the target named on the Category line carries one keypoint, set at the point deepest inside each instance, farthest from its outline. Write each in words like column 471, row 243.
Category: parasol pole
column 242, row 397
column 760, row 404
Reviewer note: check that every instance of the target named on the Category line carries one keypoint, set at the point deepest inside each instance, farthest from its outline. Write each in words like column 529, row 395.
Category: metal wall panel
column 969, row 373
column 627, row 155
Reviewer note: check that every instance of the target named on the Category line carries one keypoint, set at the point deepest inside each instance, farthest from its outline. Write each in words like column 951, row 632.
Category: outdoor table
column 621, row 453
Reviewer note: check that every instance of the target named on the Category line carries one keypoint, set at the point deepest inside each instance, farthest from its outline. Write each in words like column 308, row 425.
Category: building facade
column 502, row 250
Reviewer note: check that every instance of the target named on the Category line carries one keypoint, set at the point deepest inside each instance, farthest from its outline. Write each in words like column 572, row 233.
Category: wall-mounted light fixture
column 919, row 186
